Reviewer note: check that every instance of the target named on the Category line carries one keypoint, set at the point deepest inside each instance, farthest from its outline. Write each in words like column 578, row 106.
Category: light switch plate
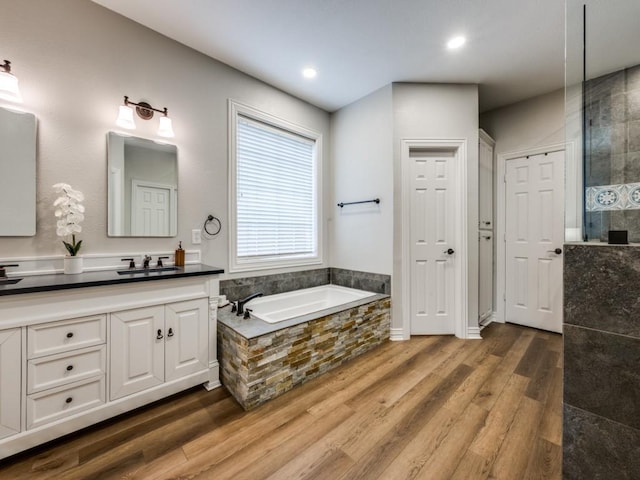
column 196, row 236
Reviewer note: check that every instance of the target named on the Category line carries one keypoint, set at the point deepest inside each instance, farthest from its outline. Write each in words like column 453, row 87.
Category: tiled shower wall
column 612, row 154
column 239, row 288
column 601, row 425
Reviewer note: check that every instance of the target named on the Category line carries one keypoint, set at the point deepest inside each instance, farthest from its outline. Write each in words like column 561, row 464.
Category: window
column 274, row 191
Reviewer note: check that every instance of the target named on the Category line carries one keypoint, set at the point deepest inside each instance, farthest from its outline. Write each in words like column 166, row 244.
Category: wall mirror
column 142, row 187
column 17, row 173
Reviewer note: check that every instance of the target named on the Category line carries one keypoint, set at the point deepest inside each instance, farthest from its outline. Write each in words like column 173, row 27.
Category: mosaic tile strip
column 613, row 197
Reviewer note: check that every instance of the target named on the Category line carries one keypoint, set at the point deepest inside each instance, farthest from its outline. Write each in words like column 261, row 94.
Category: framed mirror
column 142, row 187
column 17, row 173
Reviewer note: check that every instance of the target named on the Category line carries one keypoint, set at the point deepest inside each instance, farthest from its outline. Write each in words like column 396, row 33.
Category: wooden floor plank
column 431, row 407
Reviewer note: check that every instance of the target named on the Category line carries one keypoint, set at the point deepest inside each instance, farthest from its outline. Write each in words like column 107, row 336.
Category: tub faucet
column 240, row 303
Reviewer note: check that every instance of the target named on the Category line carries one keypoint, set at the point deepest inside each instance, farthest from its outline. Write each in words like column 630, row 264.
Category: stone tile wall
column 239, row 288
column 612, row 108
column 601, row 425
column 257, row 370
column 371, row 282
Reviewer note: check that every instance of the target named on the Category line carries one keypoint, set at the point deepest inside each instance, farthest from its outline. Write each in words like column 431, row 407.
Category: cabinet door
column 485, row 268
column 10, row 381
column 187, row 345
column 485, row 178
column 136, row 350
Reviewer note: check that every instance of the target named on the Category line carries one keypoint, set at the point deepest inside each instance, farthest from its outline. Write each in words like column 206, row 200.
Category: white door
column 150, row 213
column 186, row 347
column 534, row 239
column 10, row 383
column 432, row 233
column 485, row 275
column 137, row 350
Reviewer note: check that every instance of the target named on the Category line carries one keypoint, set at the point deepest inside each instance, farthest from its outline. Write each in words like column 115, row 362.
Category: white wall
column 361, row 236
column 437, row 111
column 75, row 61
column 535, row 122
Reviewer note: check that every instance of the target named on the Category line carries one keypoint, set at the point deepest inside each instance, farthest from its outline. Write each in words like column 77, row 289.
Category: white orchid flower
column 70, row 213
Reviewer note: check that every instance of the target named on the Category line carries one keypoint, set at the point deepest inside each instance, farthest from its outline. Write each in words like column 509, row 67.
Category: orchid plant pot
column 72, row 264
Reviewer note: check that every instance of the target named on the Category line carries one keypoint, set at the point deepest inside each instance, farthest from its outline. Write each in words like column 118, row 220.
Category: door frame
column 500, row 313
column 459, row 148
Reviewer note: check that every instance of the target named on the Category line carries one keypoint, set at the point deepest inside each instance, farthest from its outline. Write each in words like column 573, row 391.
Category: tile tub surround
column 238, row 288
column 601, row 426
column 612, row 107
column 258, row 369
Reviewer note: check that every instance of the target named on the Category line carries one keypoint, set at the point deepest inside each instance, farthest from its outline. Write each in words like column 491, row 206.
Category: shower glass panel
column 603, row 119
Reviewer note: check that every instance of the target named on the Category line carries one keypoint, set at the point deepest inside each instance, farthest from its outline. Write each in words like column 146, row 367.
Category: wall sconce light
column 144, row 111
column 9, row 89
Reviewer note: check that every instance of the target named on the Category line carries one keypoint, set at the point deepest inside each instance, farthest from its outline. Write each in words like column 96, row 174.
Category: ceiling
column 514, row 49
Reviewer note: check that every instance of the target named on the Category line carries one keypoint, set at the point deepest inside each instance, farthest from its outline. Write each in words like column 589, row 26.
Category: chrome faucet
column 240, row 303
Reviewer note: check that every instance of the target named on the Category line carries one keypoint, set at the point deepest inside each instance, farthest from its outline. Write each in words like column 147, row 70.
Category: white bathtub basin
column 283, row 306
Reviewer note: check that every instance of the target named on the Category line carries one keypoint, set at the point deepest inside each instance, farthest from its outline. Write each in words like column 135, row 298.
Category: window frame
column 239, row 264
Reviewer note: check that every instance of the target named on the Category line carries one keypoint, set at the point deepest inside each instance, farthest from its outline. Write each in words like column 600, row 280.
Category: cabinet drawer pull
column 170, row 332
column 69, row 368
column 70, row 335
column 69, row 400
column 159, row 336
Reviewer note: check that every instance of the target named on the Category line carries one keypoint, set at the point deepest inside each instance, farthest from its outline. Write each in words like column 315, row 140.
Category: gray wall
column 75, row 61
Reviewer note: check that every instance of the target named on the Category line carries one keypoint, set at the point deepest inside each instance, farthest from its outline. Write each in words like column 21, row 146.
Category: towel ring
column 216, row 222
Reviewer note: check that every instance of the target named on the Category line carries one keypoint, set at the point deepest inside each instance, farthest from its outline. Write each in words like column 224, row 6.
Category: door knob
column 557, row 251
column 449, row 251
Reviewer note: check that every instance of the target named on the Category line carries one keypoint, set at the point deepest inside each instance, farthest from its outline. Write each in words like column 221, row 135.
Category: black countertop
column 60, row 281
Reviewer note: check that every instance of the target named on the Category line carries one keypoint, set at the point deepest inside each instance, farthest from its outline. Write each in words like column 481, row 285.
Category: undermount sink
column 134, row 271
column 9, row 281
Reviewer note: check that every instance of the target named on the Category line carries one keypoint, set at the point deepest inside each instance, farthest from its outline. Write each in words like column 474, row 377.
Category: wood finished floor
column 432, row 408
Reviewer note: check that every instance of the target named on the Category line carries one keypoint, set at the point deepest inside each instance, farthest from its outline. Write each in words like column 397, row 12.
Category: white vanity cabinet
column 156, row 344
column 72, row 358
column 10, row 374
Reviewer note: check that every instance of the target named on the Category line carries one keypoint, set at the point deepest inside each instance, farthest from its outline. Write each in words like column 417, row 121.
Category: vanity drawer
column 57, row 337
column 51, row 405
column 64, row 368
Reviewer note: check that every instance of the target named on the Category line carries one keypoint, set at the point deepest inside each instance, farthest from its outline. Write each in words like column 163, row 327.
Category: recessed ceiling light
column 309, row 72
column 456, row 42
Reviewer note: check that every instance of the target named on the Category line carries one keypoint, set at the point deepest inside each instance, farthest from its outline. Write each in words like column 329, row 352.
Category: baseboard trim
column 397, row 335
column 473, row 333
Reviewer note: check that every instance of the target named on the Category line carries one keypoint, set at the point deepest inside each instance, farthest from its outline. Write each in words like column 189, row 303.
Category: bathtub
column 283, row 306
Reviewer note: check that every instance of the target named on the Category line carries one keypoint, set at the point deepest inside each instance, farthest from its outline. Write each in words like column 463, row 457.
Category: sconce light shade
column 9, row 89
column 165, row 129
column 125, row 118
column 145, row 112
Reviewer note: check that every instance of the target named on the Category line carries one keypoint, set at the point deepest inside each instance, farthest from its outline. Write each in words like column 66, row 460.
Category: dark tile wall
column 239, row 288
column 612, row 107
column 601, row 425
column 371, row 282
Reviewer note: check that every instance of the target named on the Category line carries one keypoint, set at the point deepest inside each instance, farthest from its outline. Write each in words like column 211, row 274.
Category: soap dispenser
column 179, row 256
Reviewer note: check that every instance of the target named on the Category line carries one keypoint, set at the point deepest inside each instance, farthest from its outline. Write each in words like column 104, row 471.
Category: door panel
column 187, row 347
column 432, row 233
column 534, row 229
column 10, row 386
column 137, row 354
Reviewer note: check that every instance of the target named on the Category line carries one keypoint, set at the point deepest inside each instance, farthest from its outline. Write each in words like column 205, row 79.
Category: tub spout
column 240, row 303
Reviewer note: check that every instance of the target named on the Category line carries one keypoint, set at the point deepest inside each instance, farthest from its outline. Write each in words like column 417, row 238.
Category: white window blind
column 275, row 189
